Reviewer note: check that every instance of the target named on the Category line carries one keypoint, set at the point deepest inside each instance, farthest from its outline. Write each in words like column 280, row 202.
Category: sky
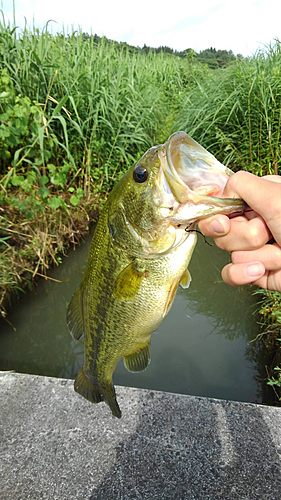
column 243, row 26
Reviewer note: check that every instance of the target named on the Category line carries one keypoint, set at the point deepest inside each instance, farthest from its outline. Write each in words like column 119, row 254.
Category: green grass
column 236, row 113
column 74, row 115
column 104, row 105
column 270, row 320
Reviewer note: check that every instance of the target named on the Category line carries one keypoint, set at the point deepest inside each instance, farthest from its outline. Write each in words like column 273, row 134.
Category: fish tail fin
column 110, row 398
column 95, row 393
column 86, row 388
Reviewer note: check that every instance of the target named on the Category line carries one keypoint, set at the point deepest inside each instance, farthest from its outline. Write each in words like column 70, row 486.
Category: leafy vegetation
column 270, row 314
column 75, row 113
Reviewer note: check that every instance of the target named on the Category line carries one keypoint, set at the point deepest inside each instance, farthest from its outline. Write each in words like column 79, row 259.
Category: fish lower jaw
column 190, row 213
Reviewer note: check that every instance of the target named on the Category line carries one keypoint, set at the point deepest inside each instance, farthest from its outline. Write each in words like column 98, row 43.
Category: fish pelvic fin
column 95, row 393
column 74, row 315
column 139, row 360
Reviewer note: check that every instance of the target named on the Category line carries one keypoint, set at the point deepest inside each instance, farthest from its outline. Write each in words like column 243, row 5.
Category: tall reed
column 236, row 113
column 74, row 115
column 117, row 104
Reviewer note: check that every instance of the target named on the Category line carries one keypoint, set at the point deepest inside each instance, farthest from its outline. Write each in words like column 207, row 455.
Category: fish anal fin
column 74, row 315
column 139, row 360
column 95, row 393
column 127, row 283
column 185, row 279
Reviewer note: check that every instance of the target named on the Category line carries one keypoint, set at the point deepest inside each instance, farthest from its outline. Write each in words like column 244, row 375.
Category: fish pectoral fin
column 139, row 360
column 185, row 279
column 95, row 393
column 74, row 315
column 127, row 283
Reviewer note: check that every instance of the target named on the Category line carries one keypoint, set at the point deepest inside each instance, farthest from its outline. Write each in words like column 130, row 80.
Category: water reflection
column 201, row 347
column 230, row 309
column 41, row 343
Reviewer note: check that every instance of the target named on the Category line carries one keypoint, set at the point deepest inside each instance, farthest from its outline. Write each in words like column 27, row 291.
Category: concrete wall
column 57, row 446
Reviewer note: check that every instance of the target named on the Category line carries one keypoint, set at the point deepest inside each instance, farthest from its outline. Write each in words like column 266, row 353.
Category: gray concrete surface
column 57, row 446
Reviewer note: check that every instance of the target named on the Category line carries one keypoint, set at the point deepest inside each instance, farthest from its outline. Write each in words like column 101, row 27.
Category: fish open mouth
column 195, row 178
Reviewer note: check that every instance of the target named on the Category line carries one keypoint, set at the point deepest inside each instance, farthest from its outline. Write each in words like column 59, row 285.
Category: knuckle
column 277, row 255
column 254, row 238
column 236, row 257
column 238, row 178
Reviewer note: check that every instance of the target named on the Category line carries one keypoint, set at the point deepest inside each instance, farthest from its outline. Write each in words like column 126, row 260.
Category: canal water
column 203, row 347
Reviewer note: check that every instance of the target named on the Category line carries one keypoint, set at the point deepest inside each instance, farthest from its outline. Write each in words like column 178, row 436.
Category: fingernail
column 216, row 227
column 254, row 270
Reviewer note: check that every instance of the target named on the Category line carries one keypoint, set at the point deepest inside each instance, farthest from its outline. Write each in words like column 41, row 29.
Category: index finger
column 261, row 194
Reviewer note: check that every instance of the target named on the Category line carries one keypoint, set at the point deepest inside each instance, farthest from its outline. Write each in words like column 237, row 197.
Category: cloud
column 239, row 26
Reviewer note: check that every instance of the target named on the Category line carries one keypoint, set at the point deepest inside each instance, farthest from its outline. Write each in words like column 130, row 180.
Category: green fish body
column 139, row 255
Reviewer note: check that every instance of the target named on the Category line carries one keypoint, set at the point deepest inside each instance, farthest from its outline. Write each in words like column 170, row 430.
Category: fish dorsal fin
column 185, row 279
column 127, row 283
column 139, row 360
column 74, row 315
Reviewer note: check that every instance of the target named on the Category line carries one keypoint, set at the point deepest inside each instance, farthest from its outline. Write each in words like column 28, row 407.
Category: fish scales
column 139, row 254
column 139, row 318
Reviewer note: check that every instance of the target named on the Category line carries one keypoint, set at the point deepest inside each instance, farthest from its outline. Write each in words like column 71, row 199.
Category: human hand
column 256, row 258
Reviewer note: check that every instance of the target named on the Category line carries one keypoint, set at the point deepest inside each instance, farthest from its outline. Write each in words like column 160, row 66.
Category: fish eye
column 140, row 174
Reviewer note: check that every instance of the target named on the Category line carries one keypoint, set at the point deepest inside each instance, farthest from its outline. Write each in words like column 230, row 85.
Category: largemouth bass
column 139, row 255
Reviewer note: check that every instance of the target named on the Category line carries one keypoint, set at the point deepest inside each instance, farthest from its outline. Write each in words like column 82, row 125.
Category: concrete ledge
column 57, row 446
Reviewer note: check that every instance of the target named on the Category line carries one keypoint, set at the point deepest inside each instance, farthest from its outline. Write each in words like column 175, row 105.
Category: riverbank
column 166, row 446
column 30, row 246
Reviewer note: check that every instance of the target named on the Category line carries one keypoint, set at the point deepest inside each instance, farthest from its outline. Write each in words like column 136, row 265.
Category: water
column 202, row 348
